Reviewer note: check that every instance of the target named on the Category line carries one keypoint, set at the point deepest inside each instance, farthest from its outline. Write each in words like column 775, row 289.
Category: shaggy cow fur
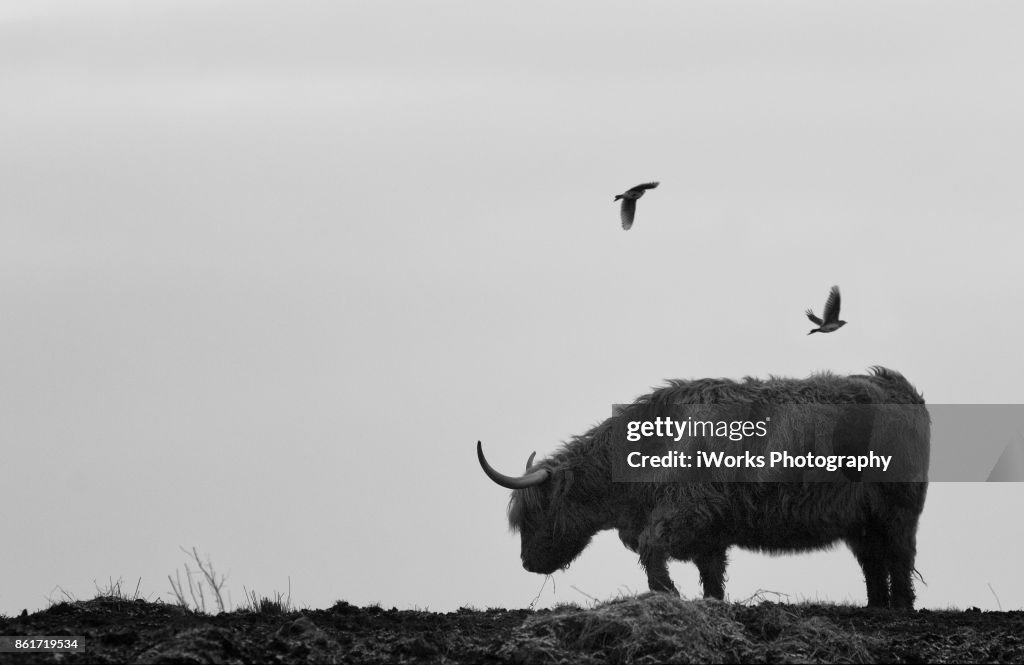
column 699, row 521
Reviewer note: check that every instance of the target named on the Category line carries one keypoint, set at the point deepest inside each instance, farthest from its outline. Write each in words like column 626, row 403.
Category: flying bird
column 629, row 198
column 831, row 314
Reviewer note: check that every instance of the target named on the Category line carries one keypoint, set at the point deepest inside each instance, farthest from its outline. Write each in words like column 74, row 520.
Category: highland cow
column 562, row 501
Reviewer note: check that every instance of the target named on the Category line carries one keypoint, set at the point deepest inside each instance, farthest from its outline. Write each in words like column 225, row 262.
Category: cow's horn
column 529, row 480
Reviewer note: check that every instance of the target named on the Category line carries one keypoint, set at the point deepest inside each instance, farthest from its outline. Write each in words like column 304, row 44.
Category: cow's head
column 551, row 522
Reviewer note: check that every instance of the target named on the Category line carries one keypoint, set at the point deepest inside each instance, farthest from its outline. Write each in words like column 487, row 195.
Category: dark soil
column 646, row 629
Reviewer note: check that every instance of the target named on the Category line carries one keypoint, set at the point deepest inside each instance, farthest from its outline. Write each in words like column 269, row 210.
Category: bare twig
column 1000, row 605
column 196, row 579
column 760, row 594
column 179, row 593
column 533, row 603
column 580, row 591
column 211, row 578
column 68, row 597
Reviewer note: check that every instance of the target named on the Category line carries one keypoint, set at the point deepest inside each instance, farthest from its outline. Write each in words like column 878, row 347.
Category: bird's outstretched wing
column 813, row 318
column 628, row 210
column 646, row 185
column 831, row 312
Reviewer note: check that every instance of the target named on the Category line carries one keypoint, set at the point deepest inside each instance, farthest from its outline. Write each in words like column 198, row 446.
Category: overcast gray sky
column 269, row 270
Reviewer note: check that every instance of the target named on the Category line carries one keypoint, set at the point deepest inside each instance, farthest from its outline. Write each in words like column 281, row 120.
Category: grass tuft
column 277, row 605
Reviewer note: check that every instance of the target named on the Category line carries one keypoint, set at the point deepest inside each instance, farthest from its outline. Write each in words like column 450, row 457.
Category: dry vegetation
column 651, row 628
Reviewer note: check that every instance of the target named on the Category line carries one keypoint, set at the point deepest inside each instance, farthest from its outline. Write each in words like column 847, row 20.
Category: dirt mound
column 651, row 628
column 657, row 628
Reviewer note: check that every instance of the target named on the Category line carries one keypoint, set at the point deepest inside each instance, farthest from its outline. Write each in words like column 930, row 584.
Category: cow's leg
column 905, row 501
column 657, row 574
column 654, row 559
column 868, row 545
column 901, row 569
column 901, row 550
column 711, row 566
